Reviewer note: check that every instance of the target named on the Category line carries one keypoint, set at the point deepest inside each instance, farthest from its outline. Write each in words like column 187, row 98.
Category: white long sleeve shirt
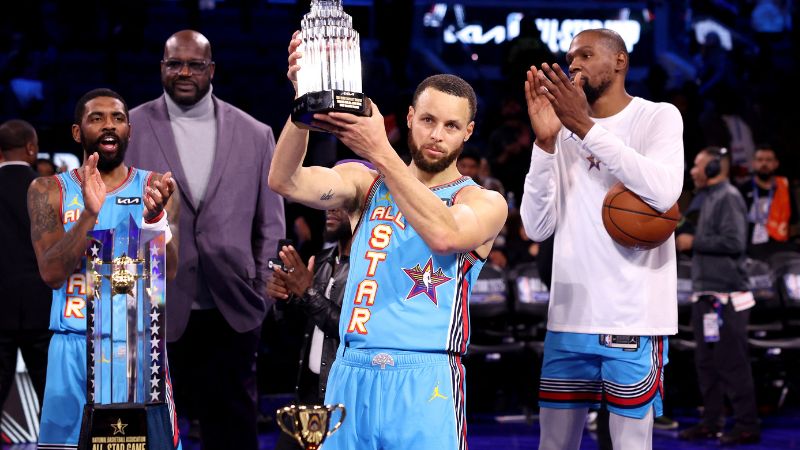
column 597, row 285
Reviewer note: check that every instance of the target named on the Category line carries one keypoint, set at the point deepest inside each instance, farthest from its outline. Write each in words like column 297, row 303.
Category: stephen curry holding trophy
column 422, row 233
column 330, row 81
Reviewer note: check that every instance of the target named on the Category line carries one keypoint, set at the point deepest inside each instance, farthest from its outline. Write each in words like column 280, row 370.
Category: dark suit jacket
column 25, row 299
column 229, row 240
column 323, row 313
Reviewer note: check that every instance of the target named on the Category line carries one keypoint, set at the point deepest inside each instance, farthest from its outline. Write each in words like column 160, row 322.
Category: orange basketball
column 633, row 223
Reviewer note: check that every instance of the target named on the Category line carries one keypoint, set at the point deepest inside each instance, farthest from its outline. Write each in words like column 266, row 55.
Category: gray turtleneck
column 195, row 131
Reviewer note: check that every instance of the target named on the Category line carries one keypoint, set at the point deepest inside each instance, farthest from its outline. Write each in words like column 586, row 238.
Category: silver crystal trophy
column 329, row 78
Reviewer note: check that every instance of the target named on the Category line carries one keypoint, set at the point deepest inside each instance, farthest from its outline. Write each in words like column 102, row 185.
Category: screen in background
column 464, row 33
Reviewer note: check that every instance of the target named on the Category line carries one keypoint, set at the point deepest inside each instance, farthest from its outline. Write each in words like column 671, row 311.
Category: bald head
column 187, row 68
column 189, row 39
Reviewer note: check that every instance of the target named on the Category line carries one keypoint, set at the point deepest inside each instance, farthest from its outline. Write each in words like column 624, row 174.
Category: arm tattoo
column 43, row 216
column 327, row 196
column 69, row 250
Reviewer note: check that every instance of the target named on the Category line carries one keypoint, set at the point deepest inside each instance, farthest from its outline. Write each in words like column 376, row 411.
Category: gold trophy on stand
column 309, row 425
column 126, row 403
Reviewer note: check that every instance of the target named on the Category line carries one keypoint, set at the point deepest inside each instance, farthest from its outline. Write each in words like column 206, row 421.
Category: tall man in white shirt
column 610, row 306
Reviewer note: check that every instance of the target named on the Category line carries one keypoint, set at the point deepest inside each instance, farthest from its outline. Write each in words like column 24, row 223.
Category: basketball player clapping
column 611, row 306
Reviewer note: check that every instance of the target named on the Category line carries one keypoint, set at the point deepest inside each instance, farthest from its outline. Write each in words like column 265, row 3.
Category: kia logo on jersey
column 129, row 200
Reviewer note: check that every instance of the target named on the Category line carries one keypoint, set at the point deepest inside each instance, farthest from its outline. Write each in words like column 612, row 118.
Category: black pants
column 603, row 428
column 33, row 344
column 723, row 367
column 213, row 371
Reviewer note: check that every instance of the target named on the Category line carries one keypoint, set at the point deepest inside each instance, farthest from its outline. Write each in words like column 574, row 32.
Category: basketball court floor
column 780, row 431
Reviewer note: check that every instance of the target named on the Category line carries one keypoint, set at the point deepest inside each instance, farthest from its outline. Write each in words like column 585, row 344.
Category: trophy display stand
column 125, row 341
column 330, row 74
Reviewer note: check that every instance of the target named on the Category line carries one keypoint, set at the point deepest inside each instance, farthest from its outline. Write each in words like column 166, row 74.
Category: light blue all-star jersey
column 399, row 294
column 68, row 311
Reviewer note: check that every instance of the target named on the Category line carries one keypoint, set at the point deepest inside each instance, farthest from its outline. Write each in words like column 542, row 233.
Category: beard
column 595, row 92
column 765, row 176
column 186, row 101
column 104, row 163
column 430, row 166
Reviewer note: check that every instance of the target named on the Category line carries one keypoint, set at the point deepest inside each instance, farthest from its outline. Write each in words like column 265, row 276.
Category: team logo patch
column 383, row 360
column 129, row 200
column 426, row 280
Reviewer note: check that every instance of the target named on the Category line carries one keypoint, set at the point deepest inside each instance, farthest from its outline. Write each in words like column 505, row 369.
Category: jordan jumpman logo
column 436, row 394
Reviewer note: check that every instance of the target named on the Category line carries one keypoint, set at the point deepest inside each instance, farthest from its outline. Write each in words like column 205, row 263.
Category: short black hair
column 611, row 39
column 765, row 146
column 15, row 133
column 49, row 162
column 449, row 84
column 80, row 107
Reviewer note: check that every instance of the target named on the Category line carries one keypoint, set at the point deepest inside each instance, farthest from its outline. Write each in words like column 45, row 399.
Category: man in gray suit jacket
column 230, row 222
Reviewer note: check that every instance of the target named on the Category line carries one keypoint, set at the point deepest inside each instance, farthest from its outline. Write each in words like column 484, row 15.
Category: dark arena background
column 729, row 66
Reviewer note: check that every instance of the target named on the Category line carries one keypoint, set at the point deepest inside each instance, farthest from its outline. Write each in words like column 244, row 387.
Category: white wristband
column 161, row 225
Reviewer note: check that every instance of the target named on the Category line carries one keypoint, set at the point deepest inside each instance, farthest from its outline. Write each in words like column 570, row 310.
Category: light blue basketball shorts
column 398, row 400
column 581, row 370
column 64, row 393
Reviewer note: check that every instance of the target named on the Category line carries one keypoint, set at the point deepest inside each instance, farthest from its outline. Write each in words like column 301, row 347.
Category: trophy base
column 304, row 107
column 126, row 425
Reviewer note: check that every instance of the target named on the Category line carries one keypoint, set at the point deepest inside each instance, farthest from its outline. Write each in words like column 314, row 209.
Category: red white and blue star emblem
column 426, row 280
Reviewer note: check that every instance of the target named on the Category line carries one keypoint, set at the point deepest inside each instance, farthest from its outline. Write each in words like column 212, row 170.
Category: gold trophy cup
column 309, row 424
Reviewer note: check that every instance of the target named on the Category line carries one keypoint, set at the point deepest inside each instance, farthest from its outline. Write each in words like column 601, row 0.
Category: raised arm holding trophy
column 424, row 232
column 329, row 82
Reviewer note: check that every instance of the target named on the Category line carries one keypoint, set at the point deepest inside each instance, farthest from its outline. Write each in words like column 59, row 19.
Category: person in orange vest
column 771, row 206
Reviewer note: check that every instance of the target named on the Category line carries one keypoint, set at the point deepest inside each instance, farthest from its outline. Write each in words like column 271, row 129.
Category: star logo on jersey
column 426, row 280
column 387, row 197
column 593, row 163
